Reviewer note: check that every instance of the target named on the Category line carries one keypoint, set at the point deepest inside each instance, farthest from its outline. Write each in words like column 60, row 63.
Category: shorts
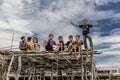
column 61, row 49
column 49, row 48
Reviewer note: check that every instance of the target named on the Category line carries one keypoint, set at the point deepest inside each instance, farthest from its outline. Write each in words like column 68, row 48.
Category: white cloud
column 54, row 16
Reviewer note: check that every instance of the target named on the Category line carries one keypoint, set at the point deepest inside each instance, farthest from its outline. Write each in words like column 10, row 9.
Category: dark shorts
column 61, row 49
column 49, row 48
column 77, row 49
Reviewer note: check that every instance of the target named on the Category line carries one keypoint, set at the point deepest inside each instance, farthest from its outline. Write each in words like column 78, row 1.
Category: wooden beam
column 9, row 67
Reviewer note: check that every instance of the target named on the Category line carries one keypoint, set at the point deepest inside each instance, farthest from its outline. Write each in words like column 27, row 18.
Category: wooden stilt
column 85, row 72
column 92, row 75
column 72, row 76
column 52, row 72
column 19, row 67
column 9, row 67
column 40, row 75
column 82, row 68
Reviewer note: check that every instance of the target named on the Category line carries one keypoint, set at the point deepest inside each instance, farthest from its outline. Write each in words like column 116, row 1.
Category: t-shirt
column 78, row 43
column 36, row 46
column 86, row 29
column 23, row 45
column 30, row 46
column 70, row 45
column 51, row 43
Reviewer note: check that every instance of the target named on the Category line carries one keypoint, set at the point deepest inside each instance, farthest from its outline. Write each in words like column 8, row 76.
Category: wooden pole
column 85, row 72
column 82, row 68
column 19, row 67
column 12, row 41
column 9, row 67
column 92, row 75
column 72, row 76
column 52, row 72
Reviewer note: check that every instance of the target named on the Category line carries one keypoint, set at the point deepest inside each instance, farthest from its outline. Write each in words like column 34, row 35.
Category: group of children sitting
column 29, row 44
column 50, row 45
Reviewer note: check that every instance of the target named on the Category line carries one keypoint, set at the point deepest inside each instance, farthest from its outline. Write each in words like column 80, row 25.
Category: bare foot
column 78, row 56
column 44, row 51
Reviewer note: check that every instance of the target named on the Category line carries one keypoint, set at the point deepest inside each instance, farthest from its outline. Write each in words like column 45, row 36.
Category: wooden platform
column 17, row 63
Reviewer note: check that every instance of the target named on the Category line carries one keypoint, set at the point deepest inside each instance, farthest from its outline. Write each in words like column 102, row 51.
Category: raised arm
column 74, row 24
column 96, row 25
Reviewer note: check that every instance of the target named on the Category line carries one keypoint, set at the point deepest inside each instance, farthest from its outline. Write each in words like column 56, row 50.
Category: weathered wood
column 19, row 67
column 92, row 68
column 9, row 67
column 41, row 61
column 52, row 72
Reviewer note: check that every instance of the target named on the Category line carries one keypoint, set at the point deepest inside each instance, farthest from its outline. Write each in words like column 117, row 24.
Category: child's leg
column 53, row 54
column 75, row 48
column 79, row 51
column 85, row 41
column 56, row 48
column 90, row 40
column 44, row 44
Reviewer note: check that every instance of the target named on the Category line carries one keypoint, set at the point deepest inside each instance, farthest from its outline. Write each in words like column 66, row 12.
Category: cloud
column 41, row 17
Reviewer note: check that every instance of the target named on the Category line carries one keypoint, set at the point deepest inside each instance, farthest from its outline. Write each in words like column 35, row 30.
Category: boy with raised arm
column 86, row 31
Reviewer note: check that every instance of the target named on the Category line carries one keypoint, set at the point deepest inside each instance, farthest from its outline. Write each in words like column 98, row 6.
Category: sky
column 41, row 17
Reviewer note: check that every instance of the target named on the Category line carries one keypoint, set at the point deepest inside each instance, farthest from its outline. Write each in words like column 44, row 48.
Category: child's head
column 23, row 38
column 70, row 37
column 85, row 21
column 60, row 38
column 29, row 39
column 77, row 37
column 51, row 36
column 35, row 39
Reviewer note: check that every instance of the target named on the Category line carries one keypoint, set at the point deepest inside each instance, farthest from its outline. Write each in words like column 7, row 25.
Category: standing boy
column 86, row 32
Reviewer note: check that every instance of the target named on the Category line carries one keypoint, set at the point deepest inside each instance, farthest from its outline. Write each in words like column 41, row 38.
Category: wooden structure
column 39, row 66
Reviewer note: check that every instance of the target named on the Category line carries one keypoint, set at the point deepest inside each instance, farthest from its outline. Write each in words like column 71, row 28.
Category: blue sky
column 41, row 17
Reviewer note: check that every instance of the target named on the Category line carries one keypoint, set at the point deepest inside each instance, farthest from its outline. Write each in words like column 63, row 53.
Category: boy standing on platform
column 86, row 32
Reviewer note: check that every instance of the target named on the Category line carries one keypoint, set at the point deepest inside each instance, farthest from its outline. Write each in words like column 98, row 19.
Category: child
column 29, row 44
column 23, row 44
column 50, row 44
column 36, row 45
column 85, row 26
column 78, row 44
column 61, row 44
column 70, row 44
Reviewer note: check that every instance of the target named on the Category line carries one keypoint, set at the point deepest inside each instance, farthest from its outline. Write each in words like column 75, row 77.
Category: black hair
column 35, row 38
column 22, row 37
column 70, row 36
column 29, row 38
column 51, row 35
column 77, row 36
column 60, row 37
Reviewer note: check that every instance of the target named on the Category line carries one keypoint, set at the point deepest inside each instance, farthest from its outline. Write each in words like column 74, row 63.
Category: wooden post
column 52, row 72
column 92, row 75
column 9, row 67
column 29, row 78
column 85, row 72
column 61, row 74
column 19, row 67
column 12, row 41
column 40, row 75
column 72, row 76
column 82, row 68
